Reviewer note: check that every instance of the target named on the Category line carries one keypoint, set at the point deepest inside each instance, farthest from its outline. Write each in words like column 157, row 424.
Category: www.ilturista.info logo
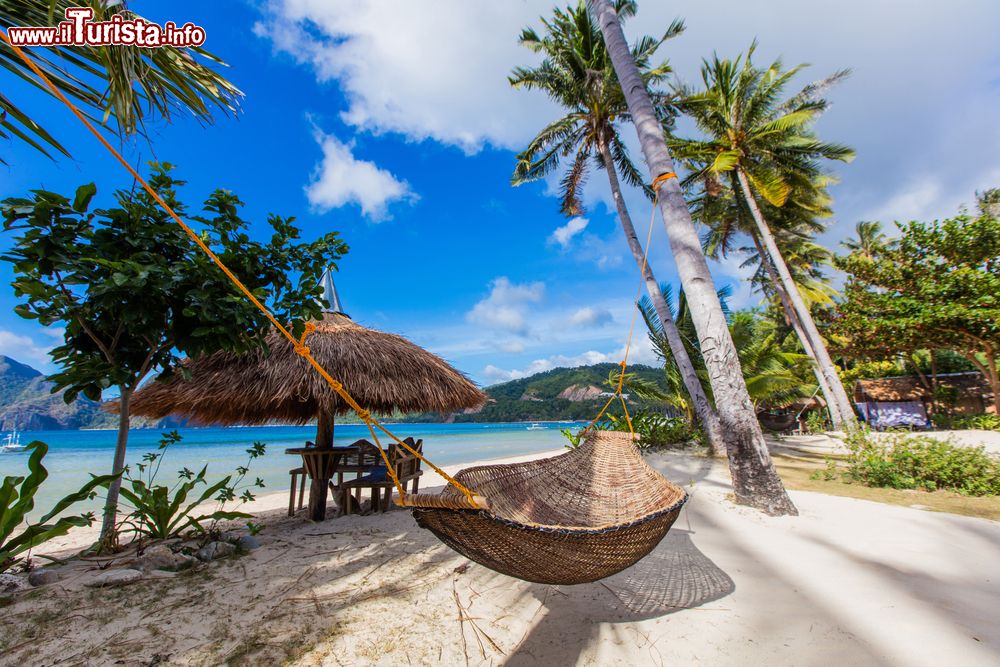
column 79, row 29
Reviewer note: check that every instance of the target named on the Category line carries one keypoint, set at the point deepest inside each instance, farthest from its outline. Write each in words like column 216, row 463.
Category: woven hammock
column 570, row 519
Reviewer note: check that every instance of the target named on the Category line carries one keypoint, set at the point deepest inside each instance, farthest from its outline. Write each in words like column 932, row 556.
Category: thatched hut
column 384, row 373
column 905, row 400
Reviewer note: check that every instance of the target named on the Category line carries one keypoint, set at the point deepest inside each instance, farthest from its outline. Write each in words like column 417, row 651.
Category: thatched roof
column 910, row 388
column 382, row 371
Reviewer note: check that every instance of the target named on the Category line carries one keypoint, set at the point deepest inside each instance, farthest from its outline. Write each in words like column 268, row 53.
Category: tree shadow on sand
column 675, row 577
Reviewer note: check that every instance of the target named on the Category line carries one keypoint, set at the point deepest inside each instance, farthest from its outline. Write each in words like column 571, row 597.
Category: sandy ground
column 823, row 444
column 846, row 582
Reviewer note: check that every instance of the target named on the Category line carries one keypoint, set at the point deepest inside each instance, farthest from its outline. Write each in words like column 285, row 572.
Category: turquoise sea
column 73, row 455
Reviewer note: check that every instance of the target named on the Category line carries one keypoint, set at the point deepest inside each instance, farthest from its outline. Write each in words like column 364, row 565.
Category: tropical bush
column 921, row 462
column 984, row 422
column 655, row 430
column 161, row 512
column 17, row 500
column 817, row 422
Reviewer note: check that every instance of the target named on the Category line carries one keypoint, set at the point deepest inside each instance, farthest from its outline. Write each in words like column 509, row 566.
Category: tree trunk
column 319, row 486
column 991, row 372
column 706, row 413
column 755, row 481
column 826, row 366
column 832, row 404
column 108, row 525
column 934, row 382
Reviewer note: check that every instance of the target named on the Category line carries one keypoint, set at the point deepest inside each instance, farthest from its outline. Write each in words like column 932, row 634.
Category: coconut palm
column 767, row 153
column 755, row 481
column 721, row 209
column 773, row 374
column 869, row 241
column 577, row 73
column 118, row 87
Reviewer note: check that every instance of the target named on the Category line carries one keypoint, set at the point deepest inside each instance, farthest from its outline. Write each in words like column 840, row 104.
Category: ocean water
column 73, row 455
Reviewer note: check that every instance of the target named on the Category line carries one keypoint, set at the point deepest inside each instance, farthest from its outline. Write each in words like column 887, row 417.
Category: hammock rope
column 468, row 498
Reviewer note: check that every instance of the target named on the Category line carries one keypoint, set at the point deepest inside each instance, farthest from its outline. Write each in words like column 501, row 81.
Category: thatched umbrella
column 382, row 371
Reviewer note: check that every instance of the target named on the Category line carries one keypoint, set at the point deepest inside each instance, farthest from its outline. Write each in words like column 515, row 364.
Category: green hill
column 28, row 404
column 555, row 395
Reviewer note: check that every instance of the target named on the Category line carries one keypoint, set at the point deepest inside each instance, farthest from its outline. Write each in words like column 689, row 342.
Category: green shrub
column 922, row 462
column 17, row 499
column 983, row 422
column 161, row 512
column 816, row 422
column 655, row 430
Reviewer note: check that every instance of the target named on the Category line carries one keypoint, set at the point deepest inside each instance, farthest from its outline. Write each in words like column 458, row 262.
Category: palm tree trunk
column 110, row 520
column 793, row 319
column 755, row 481
column 848, row 418
column 706, row 413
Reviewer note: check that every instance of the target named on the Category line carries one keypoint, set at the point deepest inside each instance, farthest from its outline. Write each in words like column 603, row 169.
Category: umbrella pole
column 320, row 484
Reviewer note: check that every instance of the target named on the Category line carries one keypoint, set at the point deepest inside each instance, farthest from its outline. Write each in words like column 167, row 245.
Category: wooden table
column 320, row 464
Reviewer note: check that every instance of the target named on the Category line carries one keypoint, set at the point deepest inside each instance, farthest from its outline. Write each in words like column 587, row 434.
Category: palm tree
column 755, row 481
column 869, row 242
column 675, row 394
column 577, row 73
column 773, row 374
column 723, row 212
column 766, row 150
column 123, row 84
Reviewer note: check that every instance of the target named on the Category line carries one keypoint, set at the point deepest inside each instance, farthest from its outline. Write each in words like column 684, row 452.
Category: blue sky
column 393, row 124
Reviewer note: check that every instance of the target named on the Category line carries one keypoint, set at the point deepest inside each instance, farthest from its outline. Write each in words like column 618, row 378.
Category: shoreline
column 82, row 537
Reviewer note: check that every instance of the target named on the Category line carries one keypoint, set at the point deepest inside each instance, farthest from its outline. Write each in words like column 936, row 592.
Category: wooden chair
column 298, row 474
column 407, row 467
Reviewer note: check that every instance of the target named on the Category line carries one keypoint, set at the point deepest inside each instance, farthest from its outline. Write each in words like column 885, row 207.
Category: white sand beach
column 846, row 582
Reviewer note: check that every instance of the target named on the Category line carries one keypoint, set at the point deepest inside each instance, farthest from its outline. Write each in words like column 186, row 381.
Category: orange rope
column 298, row 344
column 657, row 182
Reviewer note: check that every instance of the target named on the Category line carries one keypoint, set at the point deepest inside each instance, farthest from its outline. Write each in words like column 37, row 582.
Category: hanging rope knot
column 364, row 415
column 623, row 364
column 661, row 179
column 302, row 350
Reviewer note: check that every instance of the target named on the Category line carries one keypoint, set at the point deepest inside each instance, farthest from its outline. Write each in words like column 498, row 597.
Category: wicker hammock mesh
column 570, row 519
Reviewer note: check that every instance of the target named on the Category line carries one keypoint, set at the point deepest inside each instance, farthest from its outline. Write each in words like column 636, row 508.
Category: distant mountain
column 28, row 404
column 558, row 394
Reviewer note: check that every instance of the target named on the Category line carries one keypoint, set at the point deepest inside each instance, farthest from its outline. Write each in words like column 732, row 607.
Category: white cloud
column 641, row 352
column 342, row 179
column 512, row 346
column 591, row 317
column 563, row 235
column 27, row 351
column 428, row 70
column 506, row 305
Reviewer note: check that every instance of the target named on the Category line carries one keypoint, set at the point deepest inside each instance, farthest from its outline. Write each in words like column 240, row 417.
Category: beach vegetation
column 936, row 287
column 120, row 88
column 159, row 511
column 576, row 72
column 903, row 461
column 134, row 293
column 18, row 535
column 755, row 170
column 775, row 372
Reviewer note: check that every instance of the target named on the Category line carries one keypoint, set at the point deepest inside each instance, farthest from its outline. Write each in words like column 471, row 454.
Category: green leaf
column 84, row 194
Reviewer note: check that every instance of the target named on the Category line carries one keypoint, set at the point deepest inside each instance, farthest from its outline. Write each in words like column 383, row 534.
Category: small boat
column 535, row 426
column 11, row 442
